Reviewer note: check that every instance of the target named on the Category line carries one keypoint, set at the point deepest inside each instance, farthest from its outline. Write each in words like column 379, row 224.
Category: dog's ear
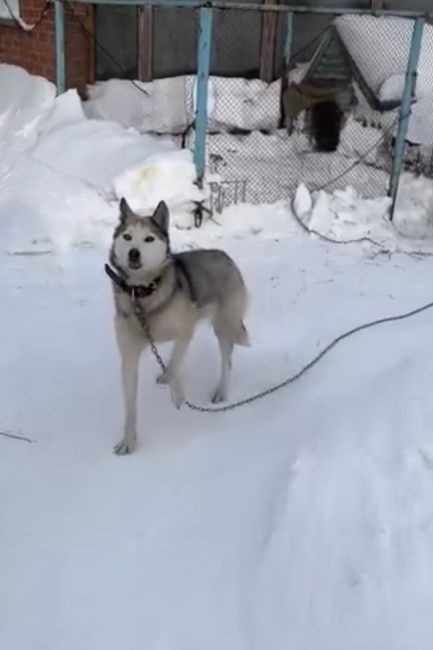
column 125, row 210
column 161, row 217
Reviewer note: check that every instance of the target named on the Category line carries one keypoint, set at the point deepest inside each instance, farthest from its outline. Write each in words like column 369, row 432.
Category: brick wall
column 35, row 50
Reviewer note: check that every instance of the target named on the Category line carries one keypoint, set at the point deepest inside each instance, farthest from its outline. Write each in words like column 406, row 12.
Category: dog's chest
column 123, row 304
column 167, row 324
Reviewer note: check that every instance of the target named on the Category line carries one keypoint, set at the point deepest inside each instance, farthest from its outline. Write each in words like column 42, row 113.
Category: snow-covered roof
column 380, row 48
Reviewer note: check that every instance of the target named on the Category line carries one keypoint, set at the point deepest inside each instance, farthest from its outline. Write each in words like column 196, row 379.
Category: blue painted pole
column 289, row 39
column 59, row 22
column 409, row 86
column 203, row 67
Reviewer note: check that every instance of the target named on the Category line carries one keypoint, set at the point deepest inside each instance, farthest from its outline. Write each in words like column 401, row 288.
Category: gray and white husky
column 174, row 291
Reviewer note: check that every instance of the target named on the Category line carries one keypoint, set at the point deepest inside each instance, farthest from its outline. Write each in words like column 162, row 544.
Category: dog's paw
column 218, row 396
column 162, row 379
column 125, row 446
column 177, row 395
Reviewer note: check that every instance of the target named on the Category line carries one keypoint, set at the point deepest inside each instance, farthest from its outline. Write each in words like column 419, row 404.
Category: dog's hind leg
column 130, row 348
column 230, row 331
column 226, row 349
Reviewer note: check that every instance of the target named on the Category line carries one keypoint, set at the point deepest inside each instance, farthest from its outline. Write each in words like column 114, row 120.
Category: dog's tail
column 242, row 337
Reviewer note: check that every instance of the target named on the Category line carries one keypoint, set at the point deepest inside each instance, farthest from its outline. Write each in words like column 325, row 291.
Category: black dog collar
column 134, row 290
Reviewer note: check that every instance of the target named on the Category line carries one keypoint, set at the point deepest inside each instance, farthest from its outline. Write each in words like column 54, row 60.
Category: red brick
column 35, row 51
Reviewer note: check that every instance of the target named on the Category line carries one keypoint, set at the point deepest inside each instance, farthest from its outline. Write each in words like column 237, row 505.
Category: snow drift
column 72, row 165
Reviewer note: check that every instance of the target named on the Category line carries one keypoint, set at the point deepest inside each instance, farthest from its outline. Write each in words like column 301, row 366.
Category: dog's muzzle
column 134, row 258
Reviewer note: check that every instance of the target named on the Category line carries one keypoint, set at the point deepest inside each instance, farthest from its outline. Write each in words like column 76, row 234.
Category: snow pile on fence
column 168, row 105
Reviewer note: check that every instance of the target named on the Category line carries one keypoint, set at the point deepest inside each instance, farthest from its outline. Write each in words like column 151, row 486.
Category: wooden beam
column 145, row 43
column 268, row 42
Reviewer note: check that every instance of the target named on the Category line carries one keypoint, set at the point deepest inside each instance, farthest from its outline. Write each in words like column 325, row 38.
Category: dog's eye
column 149, row 239
column 127, row 237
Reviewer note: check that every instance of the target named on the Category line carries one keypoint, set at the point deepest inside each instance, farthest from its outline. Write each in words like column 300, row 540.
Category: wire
column 293, row 57
column 21, row 23
column 317, row 233
column 365, row 155
column 15, row 436
column 357, row 162
column 142, row 319
column 101, row 47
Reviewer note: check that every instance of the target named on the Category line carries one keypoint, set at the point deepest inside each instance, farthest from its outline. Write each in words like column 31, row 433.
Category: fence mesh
column 163, row 106
column 329, row 120
column 326, row 115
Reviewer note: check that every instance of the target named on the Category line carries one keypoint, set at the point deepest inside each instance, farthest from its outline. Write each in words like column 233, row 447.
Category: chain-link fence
column 329, row 120
column 291, row 97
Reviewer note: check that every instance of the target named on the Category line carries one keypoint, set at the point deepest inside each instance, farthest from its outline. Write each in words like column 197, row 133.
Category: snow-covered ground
column 303, row 521
column 250, row 157
column 270, row 166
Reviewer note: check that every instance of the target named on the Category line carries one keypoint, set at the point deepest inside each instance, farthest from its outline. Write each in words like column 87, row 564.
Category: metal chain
column 331, row 240
column 141, row 316
column 142, row 319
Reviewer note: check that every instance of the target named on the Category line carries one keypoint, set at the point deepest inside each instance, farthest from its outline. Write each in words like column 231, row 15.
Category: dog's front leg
column 130, row 348
column 173, row 371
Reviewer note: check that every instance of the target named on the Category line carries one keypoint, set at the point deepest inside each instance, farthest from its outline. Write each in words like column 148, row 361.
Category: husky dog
column 174, row 291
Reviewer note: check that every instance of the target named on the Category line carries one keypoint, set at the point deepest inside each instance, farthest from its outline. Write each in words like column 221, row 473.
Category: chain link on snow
column 142, row 319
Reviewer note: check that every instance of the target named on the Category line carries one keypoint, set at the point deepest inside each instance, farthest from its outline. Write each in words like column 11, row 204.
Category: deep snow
column 302, row 521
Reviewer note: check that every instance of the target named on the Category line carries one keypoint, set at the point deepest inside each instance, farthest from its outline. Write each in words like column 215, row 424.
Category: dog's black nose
column 134, row 255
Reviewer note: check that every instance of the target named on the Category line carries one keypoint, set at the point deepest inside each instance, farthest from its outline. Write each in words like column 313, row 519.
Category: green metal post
column 59, row 22
column 411, row 71
column 203, row 68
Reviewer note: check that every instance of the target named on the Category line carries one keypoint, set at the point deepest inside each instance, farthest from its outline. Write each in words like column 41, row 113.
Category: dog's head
column 141, row 244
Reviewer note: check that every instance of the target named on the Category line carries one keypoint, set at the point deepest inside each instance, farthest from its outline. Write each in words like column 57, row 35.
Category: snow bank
column 343, row 215
column 169, row 177
column 168, row 105
column 25, row 100
column 25, row 103
column 93, row 150
column 71, row 166
column 248, row 104
column 160, row 106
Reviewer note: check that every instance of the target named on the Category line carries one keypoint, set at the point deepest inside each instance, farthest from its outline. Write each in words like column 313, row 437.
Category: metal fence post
column 411, row 71
column 203, row 67
column 59, row 21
